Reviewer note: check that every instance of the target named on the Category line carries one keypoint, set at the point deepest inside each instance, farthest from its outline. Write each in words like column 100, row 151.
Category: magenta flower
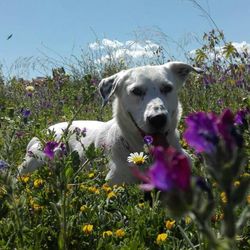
column 201, row 133
column 205, row 131
column 171, row 170
column 227, row 129
column 53, row 147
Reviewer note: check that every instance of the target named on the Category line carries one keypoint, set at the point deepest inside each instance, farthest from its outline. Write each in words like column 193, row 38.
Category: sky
column 56, row 29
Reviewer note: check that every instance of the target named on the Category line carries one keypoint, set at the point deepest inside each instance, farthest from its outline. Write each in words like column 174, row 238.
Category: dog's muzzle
column 159, row 139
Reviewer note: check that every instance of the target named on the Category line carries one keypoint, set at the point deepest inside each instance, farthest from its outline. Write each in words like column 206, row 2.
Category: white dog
column 146, row 103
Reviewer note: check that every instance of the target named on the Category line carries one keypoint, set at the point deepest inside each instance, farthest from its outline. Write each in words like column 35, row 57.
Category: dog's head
column 148, row 94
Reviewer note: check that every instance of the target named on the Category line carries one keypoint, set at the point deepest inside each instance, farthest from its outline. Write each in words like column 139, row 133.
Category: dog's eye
column 166, row 89
column 138, row 91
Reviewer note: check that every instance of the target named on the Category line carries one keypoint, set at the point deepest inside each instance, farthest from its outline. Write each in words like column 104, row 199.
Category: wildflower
column 223, row 197
column 3, row 165
column 206, row 130
column 38, row 183
column 148, row 139
column 91, row 175
column 82, row 186
column 80, row 132
column 106, row 188
column 24, row 178
column 161, row 238
column 245, row 175
column 30, row 88
column 228, row 131
column 201, row 133
column 120, row 233
column 111, row 195
column 137, row 158
column 94, row 190
column 87, row 229
column 52, row 148
column 188, row 220
column 248, row 199
column 25, row 113
column 106, row 234
column 83, row 208
column 236, row 183
column 170, row 170
column 37, row 207
column 241, row 117
column 141, row 205
column 169, row 224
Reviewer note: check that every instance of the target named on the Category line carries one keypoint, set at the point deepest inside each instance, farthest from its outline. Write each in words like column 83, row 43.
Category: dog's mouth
column 159, row 138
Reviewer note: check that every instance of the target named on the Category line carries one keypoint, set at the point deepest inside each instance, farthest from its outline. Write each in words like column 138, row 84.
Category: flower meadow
column 201, row 202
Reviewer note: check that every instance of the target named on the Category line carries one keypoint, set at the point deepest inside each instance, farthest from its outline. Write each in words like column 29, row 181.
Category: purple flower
column 94, row 81
column 241, row 117
column 220, row 102
column 25, row 112
column 148, row 139
column 201, row 133
column 170, row 170
column 3, row 165
column 52, row 148
column 227, row 129
column 80, row 132
column 206, row 130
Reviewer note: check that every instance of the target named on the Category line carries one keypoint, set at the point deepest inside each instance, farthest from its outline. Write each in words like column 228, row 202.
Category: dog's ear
column 181, row 70
column 107, row 88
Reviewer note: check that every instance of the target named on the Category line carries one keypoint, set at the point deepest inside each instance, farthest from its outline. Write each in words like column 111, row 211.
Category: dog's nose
column 158, row 121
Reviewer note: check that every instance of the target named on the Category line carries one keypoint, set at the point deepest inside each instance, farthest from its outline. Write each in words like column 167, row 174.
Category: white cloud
column 130, row 49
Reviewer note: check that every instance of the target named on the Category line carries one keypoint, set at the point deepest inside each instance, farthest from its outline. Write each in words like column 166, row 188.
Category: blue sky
column 63, row 27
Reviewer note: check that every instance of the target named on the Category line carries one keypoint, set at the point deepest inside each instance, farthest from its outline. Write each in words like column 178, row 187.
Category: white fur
column 121, row 135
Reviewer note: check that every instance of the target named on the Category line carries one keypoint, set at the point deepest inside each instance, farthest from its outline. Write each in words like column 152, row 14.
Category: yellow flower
column 37, row 207
column 106, row 188
column 106, row 234
column 83, row 208
column 161, row 238
column 87, row 229
column 188, row 220
column 184, row 143
column 169, row 224
column 38, row 183
column 223, row 197
column 137, row 158
column 141, row 205
column 119, row 233
column 24, row 178
column 94, row 190
column 91, row 175
column 82, row 187
column 111, row 195
column 248, row 199
column 236, row 183
column 30, row 88
column 245, row 175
